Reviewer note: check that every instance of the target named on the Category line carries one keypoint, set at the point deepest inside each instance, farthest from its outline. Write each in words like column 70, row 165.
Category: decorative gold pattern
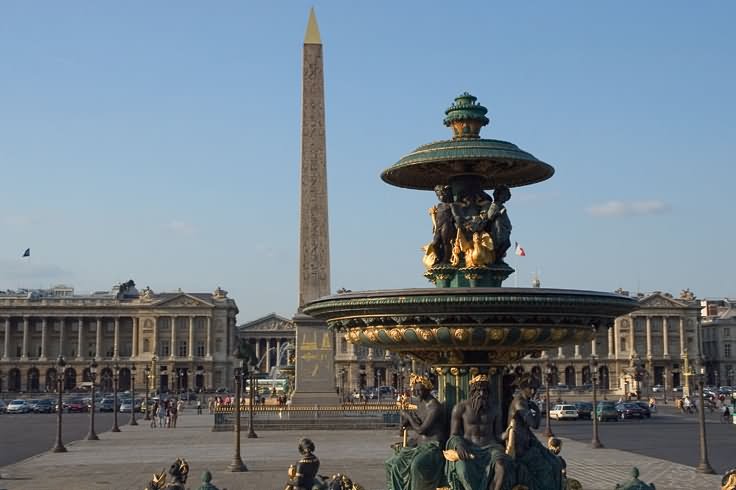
column 396, row 334
column 415, row 379
column 460, row 334
column 425, row 334
column 479, row 378
column 529, row 334
column 558, row 334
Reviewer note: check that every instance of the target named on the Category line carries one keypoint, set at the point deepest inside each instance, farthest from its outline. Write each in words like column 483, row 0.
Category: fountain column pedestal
column 315, row 369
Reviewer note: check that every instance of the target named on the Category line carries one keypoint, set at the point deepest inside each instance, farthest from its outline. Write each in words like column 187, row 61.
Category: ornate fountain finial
column 417, row 379
column 465, row 116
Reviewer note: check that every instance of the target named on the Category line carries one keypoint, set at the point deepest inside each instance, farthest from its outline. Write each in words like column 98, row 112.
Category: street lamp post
column 115, row 377
column 237, row 464
column 595, row 443
column 92, row 435
column 251, row 400
column 132, row 396
column 547, row 429
column 59, row 446
column 147, row 376
column 342, row 385
column 704, row 465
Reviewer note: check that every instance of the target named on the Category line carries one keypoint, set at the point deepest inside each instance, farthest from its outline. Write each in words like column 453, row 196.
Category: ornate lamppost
column 132, row 396
column 92, row 435
column 547, row 429
column 60, row 364
column 342, row 385
column 595, row 443
column 237, row 464
column 147, row 375
column 251, row 431
column 115, row 377
column 704, row 465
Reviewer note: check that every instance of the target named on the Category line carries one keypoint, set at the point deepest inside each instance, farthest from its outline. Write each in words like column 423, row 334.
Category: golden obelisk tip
column 312, row 35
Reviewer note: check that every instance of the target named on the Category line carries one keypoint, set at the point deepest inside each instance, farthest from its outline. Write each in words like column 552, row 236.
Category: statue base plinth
column 447, row 276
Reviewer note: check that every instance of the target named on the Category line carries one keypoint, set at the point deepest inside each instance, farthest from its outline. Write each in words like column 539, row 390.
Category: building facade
column 644, row 348
column 719, row 340
column 272, row 336
column 187, row 337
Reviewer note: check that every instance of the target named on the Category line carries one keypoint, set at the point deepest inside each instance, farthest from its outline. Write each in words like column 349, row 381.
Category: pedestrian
column 652, row 405
column 153, row 414
column 199, row 406
column 161, row 411
column 174, row 414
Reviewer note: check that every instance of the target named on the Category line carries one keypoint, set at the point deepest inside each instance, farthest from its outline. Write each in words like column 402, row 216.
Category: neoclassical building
column 719, row 339
column 652, row 340
column 187, row 337
column 271, row 336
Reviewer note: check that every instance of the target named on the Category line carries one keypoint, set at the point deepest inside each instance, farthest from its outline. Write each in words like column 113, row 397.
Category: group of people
column 165, row 413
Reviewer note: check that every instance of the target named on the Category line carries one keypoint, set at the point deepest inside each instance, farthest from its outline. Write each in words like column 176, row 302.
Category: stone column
column 62, row 324
column 617, row 336
column 577, row 350
column 682, row 337
column 98, row 340
column 190, row 344
column 80, row 339
column 172, row 352
column 209, row 336
column 649, row 337
column 278, row 352
column 6, row 351
column 611, row 342
column 136, row 337
column 268, row 355
column 154, row 347
column 560, row 353
column 594, row 348
column 26, row 339
column 116, row 340
column 44, row 338
column 665, row 337
column 258, row 350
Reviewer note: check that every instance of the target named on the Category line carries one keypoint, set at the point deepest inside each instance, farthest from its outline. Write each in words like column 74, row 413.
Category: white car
column 19, row 406
column 561, row 412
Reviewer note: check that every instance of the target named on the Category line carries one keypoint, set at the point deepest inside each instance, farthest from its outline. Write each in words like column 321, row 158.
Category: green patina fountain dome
column 492, row 162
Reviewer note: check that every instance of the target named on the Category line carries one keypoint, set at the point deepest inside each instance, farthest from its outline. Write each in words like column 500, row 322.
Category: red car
column 76, row 405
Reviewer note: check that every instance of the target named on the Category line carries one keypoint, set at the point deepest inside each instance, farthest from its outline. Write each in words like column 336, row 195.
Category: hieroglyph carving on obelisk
column 314, row 242
column 315, row 353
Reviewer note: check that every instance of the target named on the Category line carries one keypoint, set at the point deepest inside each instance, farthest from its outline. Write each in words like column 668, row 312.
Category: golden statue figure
column 478, row 252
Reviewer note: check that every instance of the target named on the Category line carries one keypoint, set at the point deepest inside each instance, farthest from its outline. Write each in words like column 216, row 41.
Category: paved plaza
column 126, row 461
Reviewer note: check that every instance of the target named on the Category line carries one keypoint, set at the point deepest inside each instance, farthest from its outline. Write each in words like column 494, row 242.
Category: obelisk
column 315, row 369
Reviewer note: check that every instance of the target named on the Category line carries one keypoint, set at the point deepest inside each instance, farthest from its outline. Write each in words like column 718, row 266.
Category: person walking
column 161, row 413
column 199, row 406
column 154, row 414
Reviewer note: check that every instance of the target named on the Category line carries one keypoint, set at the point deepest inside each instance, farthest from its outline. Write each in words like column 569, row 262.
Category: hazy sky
column 159, row 141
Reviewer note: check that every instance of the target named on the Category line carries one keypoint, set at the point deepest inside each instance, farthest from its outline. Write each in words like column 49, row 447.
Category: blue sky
column 159, row 141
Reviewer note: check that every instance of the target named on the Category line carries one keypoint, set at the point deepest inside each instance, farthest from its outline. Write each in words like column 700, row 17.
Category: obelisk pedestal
column 315, row 353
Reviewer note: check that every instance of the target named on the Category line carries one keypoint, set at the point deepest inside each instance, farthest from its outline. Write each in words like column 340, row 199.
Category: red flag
column 519, row 250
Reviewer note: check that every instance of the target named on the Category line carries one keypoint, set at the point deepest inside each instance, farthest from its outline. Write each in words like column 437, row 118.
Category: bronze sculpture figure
column 475, row 455
column 302, row 475
column 419, row 465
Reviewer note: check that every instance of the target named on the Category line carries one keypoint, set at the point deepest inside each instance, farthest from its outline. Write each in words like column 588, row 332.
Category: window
column 146, row 345
column 164, row 349
column 183, row 348
column 623, row 344
column 726, row 350
column 343, row 346
column 200, row 348
column 726, row 332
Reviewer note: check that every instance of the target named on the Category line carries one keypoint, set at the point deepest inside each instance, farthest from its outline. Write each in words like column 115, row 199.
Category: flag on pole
column 27, row 253
column 519, row 250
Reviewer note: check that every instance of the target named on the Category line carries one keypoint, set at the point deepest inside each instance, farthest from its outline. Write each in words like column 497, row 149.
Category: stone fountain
column 468, row 327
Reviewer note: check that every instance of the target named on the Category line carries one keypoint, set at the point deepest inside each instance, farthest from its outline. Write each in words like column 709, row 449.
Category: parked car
column 44, row 406
column 561, row 387
column 629, row 410
column 3, row 407
column 606, row 411
column 677, row 389
column 584, row 410
column 126, row 406
column 75, row 405
column 18, row 406
column 657, row 388
column 107, row 405
column 561, row 412
column 645, row 408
